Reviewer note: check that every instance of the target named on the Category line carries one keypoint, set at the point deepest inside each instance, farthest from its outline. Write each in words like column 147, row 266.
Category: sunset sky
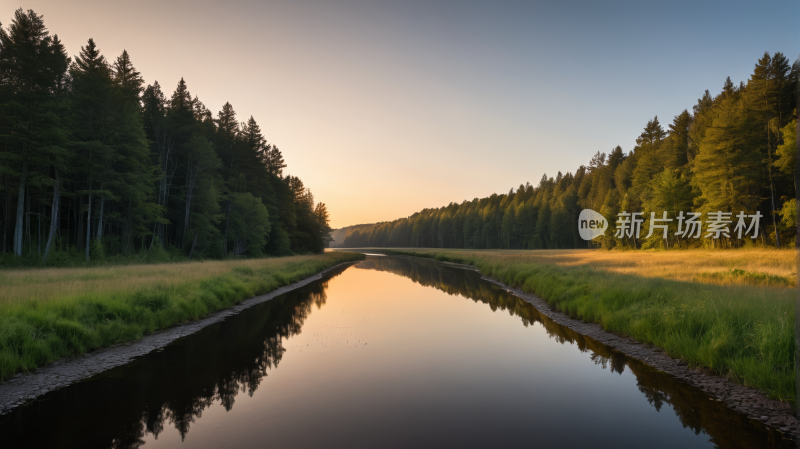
column 384, row 108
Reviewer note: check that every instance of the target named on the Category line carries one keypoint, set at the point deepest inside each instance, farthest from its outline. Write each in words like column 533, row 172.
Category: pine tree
column 134, row 180
column 92, row 122
column 253, row 147
column 32, row 64
column 181, row 99
column 703, row 116
column 675, row 152
column 323, row 221
column 728, row 88
column 160, row 131
column 273, row 159
column 201, row 162
column 786, row 152
column 727, row 169
column 226, row 122
column 251, row 134
column 201, row 113
column 764, row 97
column 227, row 133
column 542, row 231
column 647, row 148
column 127, row 77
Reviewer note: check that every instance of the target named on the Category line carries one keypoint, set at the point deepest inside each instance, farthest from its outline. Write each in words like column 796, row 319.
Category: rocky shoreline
column 26, row 387
column 749, row 401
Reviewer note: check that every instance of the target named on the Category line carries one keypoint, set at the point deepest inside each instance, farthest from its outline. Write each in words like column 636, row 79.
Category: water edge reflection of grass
column 743, row 331
column 49, row 314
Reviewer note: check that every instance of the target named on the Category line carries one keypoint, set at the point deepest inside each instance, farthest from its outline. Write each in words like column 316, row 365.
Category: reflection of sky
column 387, row 361
column 384, row 108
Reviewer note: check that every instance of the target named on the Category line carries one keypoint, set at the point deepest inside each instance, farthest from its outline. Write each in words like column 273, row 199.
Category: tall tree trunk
column 79, row 220
column 227, row 226
column 28, row 219
column 54, row 216
column 193, row 244
column 6, row 217
column 20, row 208
column 39, row 232
column 772, row 190
column 65, row 241
column 100, row 222
column 155, row 234
column 127, row 230
column 89, row 228
column 190, row 180
column 769, row 169
column 186, row 217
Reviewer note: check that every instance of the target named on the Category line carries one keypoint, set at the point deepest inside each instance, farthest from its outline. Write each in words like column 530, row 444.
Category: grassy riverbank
column 48, row 314
column 730, row 311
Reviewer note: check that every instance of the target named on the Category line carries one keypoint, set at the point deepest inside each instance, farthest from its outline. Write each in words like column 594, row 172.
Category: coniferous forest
column 95, row 164
column 733, row 152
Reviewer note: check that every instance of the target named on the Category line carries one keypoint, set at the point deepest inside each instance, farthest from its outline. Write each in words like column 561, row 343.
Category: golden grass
column 706, row 266
column 19, row 286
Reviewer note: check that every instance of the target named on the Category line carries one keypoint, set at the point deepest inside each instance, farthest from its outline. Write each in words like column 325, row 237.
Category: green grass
column 744, row 332
column 748, row 277
column 115, row 306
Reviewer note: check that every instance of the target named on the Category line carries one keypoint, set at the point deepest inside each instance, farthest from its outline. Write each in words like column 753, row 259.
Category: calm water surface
column 391, row 352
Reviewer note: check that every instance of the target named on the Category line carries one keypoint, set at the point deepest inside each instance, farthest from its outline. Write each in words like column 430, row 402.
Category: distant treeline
column 94, row 163
column 734, row 152
column 338, row 235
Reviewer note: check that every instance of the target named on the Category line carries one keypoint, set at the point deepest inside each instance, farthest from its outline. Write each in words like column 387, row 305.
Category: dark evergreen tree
column 111, row 167
column 32, row 66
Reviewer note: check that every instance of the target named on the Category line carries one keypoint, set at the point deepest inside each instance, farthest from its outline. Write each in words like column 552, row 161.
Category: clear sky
column 384, row 108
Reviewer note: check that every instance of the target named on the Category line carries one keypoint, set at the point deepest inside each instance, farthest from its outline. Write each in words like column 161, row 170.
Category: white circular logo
column 591, row 224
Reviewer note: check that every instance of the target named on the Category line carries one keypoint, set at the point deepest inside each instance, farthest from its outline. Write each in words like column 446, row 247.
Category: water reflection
column 169, row 387
column 694, row 408
column 174, row 387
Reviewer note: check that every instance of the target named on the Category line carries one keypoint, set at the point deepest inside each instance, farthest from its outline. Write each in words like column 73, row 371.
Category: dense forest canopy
column 93, row 162
column 734, row 152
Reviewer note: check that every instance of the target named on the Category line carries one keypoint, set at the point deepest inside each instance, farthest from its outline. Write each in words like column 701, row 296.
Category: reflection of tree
column 283, row 319
column 173, row 386
column 616, row 362
column 131, row 437
column 692, row 406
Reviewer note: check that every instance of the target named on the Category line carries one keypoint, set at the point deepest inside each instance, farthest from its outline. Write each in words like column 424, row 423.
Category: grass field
column 730, row 311
column 758, row 266
column 47, row 314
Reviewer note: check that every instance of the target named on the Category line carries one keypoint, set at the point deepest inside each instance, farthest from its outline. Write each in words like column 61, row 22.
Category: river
column 389, row 352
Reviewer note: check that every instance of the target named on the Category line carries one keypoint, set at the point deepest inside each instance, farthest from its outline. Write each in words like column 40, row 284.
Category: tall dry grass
column 21, row 286
column 753, row 266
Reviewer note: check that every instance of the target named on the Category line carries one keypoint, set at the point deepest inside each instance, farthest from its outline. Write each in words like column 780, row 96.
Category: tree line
column 734, row 152
column 96, row 164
